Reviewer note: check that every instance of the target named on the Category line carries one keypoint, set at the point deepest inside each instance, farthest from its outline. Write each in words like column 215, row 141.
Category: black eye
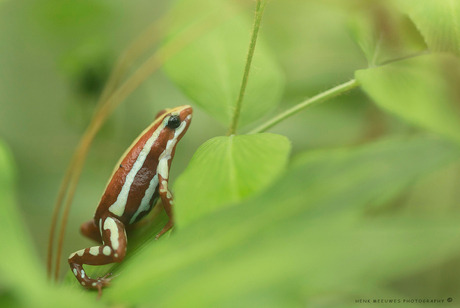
column 173, row 122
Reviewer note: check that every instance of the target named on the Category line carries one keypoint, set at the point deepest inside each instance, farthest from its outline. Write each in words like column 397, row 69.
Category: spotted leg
column 113, row 250
column 167, row 200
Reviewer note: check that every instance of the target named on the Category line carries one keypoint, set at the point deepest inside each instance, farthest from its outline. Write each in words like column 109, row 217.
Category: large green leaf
column 22, row 276
column 226, row 170
column 384, row 34
column 210, row 69
column 438, row 22
column 304, row 237
column 421, row 90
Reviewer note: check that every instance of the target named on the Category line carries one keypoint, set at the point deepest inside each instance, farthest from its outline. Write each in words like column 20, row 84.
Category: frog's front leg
column 167, row 200
column 113, row 250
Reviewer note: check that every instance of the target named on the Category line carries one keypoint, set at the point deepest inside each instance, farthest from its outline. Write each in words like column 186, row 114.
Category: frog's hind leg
column 90, row 230
column 113, row 250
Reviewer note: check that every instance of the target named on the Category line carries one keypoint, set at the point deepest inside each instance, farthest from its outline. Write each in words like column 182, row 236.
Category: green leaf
column 226, row 170
column 21, row 273
column 304, row 237
column 421, row 90
column 384, row 34
column 438, row 22
column 210, row 69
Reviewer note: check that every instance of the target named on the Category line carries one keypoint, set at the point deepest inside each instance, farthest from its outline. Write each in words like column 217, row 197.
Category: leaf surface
column 304, row 237
column 438, row 22
column 22, row 276
column 225, row 170
column 421, row 90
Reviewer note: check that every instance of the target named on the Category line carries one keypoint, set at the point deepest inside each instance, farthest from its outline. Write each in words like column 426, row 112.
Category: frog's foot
column 101, row 282
column 166, row 228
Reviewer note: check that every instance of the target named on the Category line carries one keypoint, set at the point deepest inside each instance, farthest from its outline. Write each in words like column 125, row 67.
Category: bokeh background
column 56, row 55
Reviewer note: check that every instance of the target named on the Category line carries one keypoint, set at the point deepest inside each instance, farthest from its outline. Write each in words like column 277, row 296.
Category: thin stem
column 54, row 219
column 260, row 7
column 309, row 102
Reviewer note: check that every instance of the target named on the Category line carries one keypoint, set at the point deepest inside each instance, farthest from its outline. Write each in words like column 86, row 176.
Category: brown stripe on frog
column 118, row 179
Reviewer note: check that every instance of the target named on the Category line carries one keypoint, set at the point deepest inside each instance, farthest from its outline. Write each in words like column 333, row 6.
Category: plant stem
column 260, row 7
column 309, row 102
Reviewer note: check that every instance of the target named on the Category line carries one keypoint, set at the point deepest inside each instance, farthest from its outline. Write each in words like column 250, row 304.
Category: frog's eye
column 173, row 122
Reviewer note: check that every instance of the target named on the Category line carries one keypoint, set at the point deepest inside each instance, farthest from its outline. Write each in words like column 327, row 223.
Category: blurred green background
column 56, row 55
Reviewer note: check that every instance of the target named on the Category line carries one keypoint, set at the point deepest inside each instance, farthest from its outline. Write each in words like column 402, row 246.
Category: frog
column 139, row 180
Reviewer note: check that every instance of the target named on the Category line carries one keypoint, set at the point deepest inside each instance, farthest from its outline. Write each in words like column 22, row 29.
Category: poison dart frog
column 139, row 179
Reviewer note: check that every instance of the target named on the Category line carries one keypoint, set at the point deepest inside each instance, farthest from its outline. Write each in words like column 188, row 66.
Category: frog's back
column 133, row 188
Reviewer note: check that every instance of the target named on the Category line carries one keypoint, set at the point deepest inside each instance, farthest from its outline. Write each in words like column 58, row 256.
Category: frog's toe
column 101, row 282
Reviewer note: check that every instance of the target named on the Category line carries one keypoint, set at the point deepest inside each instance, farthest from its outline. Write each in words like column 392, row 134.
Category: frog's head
column 175, row 121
